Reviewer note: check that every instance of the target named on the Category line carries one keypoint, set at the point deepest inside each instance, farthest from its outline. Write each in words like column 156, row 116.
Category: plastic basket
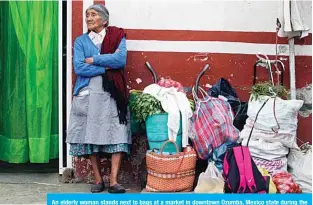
column 157, row 133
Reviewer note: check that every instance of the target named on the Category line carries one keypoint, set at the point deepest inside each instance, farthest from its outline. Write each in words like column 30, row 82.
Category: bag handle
column 177, row 151
column 196, row 98
column 195, row 95
column 169, row 141
column 256, row 117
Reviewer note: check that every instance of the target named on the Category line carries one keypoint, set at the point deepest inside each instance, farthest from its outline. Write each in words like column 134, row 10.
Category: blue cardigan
column 84, row 48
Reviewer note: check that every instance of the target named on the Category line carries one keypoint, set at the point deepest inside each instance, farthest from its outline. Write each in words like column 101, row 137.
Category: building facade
column 179, row 37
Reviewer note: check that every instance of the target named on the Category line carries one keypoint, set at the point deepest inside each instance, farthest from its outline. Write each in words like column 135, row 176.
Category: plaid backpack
column 240, row 173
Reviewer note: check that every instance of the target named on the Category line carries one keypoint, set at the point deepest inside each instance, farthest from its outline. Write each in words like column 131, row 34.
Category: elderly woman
column 99, row 119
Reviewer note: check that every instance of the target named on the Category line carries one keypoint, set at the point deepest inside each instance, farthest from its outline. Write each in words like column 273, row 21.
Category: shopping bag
column 170, row 172
column 213, row 124
column 210, row 181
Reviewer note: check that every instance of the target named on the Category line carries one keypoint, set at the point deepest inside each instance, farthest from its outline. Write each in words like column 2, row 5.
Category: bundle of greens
column 146, row 105
column 267, row 89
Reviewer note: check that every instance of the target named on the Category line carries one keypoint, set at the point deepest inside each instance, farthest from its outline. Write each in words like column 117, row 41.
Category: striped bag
column 213, row 124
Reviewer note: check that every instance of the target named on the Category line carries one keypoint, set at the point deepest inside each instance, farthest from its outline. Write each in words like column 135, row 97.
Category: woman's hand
column 89, row 60
column 107, row 68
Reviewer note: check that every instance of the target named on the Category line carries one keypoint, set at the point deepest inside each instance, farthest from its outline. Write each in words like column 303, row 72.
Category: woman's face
column 94, row 21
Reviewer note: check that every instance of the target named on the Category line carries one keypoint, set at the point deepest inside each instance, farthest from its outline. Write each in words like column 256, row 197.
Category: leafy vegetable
column 267, row 89
column 146, row 105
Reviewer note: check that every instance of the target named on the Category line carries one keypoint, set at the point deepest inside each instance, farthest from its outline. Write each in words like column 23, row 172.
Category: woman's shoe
column 96, row 188
column 116, row 189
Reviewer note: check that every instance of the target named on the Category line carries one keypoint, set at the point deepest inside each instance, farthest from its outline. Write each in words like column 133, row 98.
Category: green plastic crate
column 157, row 133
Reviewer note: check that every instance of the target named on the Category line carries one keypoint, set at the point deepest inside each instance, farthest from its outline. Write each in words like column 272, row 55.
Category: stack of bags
column 274, row 131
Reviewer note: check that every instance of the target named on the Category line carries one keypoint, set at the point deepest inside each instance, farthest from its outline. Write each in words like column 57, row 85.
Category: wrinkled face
column 94, row 21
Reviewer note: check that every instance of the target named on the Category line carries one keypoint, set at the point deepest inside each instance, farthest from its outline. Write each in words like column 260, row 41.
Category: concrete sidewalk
column 19, row 188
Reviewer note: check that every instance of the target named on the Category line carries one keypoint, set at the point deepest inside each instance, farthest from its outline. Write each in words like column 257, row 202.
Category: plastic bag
column 223, row 87
column 300, row 167
column 168, row 82
column 210, row 181
column 285, row 183
column 240, row 115
column 272, row 187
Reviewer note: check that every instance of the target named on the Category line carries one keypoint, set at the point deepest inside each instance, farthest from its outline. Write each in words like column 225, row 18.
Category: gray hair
column 102, row 11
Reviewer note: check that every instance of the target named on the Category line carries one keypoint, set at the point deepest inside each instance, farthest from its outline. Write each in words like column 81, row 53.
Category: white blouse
column 97, row 38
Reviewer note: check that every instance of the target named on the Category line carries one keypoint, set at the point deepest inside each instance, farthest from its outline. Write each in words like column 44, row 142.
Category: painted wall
column 179, row 37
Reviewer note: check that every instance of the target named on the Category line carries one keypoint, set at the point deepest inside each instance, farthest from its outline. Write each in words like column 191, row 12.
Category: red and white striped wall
column 179, row 37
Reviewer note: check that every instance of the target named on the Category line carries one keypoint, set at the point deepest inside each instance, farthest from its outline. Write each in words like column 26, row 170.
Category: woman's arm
column 115, row 60
column 80, row 67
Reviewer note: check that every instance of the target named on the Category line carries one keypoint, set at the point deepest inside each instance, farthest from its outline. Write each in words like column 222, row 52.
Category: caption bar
column 179, row 199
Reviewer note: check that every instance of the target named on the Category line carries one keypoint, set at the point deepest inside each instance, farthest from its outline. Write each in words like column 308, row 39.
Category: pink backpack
column 240, row 173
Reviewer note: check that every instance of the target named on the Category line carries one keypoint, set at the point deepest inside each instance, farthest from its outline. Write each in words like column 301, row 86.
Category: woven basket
column 171, row 173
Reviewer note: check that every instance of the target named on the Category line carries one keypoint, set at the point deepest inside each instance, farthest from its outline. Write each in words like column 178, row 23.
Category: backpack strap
column 225, row 166
column 240, row 164
column 248, row 170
